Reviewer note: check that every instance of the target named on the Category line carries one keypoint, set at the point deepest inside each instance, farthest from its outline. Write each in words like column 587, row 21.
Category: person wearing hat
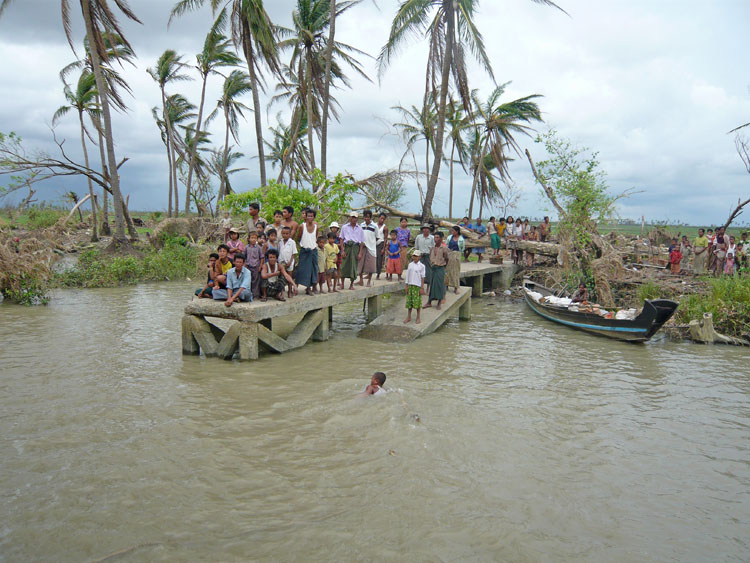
column 424, row 243
column 414, row 286
column 234, row 243
column 352, row 238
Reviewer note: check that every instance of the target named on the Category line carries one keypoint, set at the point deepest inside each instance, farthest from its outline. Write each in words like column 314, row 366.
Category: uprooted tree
column 573, row 181
column 29, row 167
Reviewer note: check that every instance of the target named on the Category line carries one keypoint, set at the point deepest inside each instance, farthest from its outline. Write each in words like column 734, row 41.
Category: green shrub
column 728, row 301
column 26, row 289
column 41, row 218
column 649, row 290
column 172, row 262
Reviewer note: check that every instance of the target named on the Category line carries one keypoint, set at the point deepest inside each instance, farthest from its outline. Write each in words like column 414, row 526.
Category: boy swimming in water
column 376, row 384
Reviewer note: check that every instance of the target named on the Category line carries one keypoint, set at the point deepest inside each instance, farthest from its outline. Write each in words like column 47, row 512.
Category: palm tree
column 327, row 90
column 255, row 34
column 99, row 19
column 418, row 125
column 215, row 54
column 497, row 124
column 175, row 112
column 309, row 46
column 298, row 166
column 451, row 32
column 221, row 163
column 167, row 69
column 236, row 84
column 83, row 100
column 482, row 166
column 118, row 50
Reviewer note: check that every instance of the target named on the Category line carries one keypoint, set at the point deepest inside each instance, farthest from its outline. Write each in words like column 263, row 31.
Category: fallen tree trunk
column 535, row 247
column 703, row 331
column 467, row 234
column 62, row 222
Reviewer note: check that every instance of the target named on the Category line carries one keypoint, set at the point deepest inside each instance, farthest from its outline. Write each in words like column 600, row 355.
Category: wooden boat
column 654, row 314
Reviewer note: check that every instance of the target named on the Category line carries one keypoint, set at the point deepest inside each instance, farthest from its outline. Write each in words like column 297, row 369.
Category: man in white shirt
column 367, row 252
column 287, row 251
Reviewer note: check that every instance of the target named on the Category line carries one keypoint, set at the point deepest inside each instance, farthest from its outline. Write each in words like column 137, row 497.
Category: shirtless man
column 288, row 221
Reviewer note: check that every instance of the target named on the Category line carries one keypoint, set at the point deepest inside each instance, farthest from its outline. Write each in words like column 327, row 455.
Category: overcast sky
column 653, row 86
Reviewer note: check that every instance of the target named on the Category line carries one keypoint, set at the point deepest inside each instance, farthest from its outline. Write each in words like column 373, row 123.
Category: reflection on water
column 533, row 442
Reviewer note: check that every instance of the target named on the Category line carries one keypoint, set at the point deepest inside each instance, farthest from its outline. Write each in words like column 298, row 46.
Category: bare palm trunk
column 101, row 87
column 448, row 6
column 327, row 91
column 105, row 172
column 310, row 123
column 174, row 181
column 482, row 195
column 94, row 234
column 194, row 148
column 168, row 143
column 450, row 195
column 249, row 57
column 225, row 164
column 473, row 191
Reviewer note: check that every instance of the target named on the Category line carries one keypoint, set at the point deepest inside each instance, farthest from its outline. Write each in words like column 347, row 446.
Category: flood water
column 506, row 438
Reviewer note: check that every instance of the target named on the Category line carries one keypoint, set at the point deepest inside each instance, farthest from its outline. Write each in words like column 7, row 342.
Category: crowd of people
column 502, row 231
column 279, row 257
column 710, row 253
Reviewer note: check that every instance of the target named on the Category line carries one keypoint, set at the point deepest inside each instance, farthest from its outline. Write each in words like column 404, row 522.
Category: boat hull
column 654, row 314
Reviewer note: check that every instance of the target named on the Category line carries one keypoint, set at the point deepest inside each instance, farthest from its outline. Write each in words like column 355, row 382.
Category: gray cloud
column 653, row 87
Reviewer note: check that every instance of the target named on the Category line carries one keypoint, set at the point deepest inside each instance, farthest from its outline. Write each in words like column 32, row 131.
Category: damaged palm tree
column 574, row 183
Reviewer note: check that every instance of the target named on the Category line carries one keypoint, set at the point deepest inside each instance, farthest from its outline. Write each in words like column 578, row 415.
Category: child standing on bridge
column 414, row 286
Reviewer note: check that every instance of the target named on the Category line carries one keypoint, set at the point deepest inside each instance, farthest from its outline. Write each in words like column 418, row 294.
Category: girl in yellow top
column 331, row 252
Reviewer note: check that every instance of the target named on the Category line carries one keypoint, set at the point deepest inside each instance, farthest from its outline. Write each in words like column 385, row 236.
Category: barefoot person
column 254, row 262
column 403, row 234
column 221, row 267
column 382, row 234
column 438, row 261
column 307, row 267
column 700, row 253
column 368, row 250
column 238, row 284
column 287, row 252
column 414, row 286
column 393, row 266
column 352, row 238
column 274, row 277
column 207, row 291
column 424, row 243
column 331, row 250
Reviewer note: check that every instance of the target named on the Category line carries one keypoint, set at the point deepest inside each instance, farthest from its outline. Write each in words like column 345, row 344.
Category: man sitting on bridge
column 238, row 284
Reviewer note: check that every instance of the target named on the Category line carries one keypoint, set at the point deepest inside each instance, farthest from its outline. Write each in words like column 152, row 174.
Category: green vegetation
column 332, row 200
column 650, row 290
column 26, row 288
column 94, row 269
column 728, row 301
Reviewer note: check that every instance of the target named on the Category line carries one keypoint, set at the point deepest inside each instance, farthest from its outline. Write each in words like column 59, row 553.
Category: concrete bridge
column 254, row 331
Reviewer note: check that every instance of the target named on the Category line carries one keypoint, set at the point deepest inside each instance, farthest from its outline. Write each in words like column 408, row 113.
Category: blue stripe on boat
column 595, row 327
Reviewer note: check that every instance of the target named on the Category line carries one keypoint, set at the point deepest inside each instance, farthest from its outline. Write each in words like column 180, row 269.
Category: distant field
column 689, row 230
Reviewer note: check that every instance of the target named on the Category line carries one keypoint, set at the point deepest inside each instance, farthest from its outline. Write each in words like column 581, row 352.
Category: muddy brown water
column 504, row 439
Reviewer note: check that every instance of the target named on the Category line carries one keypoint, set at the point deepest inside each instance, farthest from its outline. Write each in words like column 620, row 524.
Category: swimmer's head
column 378, row 378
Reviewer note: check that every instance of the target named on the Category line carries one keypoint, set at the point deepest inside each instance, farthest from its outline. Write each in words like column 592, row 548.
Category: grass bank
column 728, row 300
column 97, row 269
